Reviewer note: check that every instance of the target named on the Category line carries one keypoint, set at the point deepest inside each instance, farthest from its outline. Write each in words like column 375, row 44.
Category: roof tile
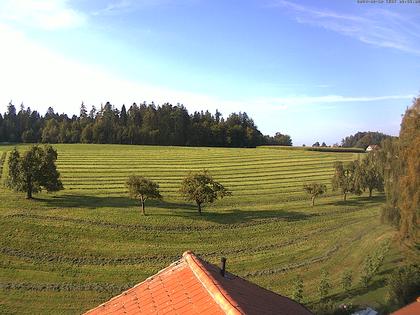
column 410, row 309
column 191, row 286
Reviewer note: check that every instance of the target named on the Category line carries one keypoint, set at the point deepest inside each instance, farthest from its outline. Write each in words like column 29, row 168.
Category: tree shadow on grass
column 93, row 202
column 387, row 269
column 237, row 216
column 359, row 290
column 358, row 201
column 187, row 210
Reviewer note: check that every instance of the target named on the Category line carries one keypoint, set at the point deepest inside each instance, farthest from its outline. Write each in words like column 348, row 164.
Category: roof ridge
column 175, row 263
column 212, row 285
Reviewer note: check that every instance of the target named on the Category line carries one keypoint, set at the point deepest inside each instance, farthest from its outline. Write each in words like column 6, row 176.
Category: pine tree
column 83, row 111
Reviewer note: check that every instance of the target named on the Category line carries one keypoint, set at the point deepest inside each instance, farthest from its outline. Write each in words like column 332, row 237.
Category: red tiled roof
column 193, row 286
column 410, row 309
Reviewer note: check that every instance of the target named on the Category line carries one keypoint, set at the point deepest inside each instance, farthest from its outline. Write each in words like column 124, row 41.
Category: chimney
column 223, row 266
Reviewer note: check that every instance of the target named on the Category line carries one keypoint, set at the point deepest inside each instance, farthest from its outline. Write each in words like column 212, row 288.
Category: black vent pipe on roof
column 223, row 266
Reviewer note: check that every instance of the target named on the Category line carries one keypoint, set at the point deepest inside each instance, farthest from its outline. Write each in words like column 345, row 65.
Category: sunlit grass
column 89, row 241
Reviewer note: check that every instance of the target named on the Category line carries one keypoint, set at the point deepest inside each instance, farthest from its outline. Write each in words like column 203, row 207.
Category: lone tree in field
column 347, row 178
column 34, row 170
column 371, row 177
column 315, row 190
column 142, row 188
column 201, row 188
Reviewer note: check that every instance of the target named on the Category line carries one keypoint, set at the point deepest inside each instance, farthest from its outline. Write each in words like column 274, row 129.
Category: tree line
column 364, row 139
column 139, row 124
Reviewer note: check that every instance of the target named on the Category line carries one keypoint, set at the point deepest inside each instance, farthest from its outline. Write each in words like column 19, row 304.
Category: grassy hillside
column 68, row 252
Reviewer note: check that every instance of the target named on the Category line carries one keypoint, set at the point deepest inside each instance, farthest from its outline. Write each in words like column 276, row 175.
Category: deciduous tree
column 409, row 178
column 347, row 178
column 400, row 160
column 142, row 188
column 315, row 190
column 34, row 170
column 371, row 176
column 202, row 188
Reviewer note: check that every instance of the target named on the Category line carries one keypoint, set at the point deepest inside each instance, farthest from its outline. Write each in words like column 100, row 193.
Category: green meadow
column 69, row 251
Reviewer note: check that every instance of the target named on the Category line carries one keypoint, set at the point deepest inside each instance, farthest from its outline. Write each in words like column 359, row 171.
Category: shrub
column 404, row 285
column 346, row 280
column 297, row 293
column 373, row 262
column 324, row 285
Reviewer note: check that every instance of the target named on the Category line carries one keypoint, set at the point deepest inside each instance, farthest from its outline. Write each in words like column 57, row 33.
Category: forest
column 140, row 124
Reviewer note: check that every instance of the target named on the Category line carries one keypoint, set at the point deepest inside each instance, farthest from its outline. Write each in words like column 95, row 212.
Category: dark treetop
column 139, row 124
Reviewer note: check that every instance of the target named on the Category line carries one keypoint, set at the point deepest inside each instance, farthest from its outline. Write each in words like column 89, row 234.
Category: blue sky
column 317, row 70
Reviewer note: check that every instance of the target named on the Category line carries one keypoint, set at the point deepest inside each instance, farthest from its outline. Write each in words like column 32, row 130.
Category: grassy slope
column 69, row 251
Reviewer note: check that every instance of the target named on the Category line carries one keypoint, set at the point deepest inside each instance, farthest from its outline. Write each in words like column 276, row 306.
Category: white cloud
column 327, row 99
column 40, row 78
column 116, row 7
column 44, row 14
column 377, row 27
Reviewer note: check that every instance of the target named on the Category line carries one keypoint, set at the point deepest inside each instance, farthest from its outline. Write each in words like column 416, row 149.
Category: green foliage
column 140, row 124
column 297, row 293
column 278, row 139
column 33, row 170
column 364, row 139
column 347, row 280
column 371, row 176
column 399, row 161
column 2, row 161
column 373, row 262
column 335, row 149
column 202, row 188
column 390, row 166
column 409, row 178
column 50, row 133
column 347, row 178
column 324, row 285
column 142, row 188
column 331, row 308
column 404, row 285
column 315, row 190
